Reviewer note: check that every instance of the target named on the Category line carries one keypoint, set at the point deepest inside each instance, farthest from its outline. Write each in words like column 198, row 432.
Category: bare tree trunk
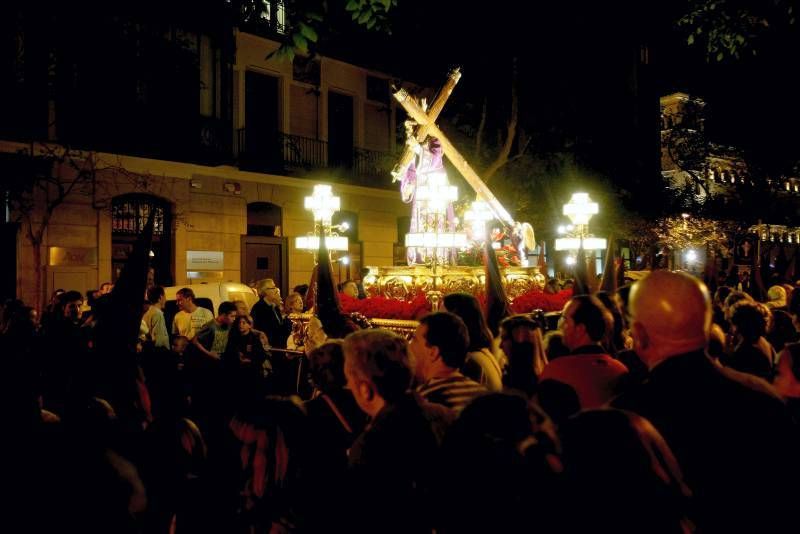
column 481, row 127
column 40, row 299
column 511, row 130
column 36, row 238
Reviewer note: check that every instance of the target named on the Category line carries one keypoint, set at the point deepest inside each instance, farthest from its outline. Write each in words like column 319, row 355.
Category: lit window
column 788, row 186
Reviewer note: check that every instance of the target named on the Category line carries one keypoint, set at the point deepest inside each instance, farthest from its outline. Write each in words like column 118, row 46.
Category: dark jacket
column 733, row 437
column 393, row 468
column 269, row 319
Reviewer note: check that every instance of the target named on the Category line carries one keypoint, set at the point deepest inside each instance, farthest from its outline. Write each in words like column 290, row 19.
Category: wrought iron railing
column 372, row 163
column 304, row 153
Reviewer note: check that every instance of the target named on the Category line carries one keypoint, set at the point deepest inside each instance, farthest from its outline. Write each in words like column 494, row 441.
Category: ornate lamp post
column 322, row 204
column 478, row 215
column 580, row 210
column 434, row 197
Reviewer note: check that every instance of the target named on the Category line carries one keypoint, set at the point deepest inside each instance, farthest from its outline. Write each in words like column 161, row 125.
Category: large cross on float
column 425, row 119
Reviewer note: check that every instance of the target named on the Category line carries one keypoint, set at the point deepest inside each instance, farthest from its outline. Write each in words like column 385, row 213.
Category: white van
column 210, row 296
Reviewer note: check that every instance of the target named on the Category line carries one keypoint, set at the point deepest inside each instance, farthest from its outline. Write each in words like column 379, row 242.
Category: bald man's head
column 671, row 315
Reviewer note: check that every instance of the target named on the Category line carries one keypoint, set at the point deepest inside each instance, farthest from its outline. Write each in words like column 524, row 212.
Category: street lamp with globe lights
column 323, row 204
column 434, row 199
column 478, row 215
column 580, row 210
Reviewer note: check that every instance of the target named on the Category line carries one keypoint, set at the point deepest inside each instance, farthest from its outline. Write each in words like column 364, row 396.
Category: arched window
column 129, row 214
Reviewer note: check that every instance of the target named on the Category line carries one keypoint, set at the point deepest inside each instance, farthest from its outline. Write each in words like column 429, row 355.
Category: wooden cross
column 427, row 126
column 422, row 131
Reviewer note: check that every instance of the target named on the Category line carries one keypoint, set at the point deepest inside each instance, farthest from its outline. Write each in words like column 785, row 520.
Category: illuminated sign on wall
column 72, row 257
column 204, row 260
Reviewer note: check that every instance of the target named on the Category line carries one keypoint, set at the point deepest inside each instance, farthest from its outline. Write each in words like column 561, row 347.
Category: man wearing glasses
column 267, row 314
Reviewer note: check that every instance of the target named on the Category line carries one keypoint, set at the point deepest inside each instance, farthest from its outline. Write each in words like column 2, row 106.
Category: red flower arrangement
column 536, row 299
column 507, row 255
column 380, row 307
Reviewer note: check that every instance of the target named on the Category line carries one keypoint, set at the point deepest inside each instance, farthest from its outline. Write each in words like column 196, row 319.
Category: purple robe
column 429, row 161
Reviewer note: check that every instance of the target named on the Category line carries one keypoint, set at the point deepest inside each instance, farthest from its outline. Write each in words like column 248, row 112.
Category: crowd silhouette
column 653, row 408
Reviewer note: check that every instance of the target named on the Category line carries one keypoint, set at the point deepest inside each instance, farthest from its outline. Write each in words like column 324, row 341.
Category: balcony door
column 340, row 130
column 262, row 127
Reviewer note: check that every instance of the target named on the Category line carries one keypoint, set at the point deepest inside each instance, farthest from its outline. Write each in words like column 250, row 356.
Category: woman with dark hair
column 245, row 363
column 482, row 365
column 333, row 401
column 620, row 475
column 751, row 353
column 782, row 331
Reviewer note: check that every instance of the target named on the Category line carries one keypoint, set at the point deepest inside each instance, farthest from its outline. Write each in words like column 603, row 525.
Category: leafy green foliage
column 307, row 21
column 680, row 233
column 731, row 29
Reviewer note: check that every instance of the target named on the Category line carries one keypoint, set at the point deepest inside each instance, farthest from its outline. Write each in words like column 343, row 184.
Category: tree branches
column 731, row 29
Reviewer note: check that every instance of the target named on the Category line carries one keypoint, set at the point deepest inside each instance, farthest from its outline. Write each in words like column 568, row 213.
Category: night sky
column 575, row 61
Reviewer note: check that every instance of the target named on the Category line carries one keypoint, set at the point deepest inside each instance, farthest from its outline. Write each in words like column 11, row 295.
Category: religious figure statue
column 524, row 240
column 427, row 215
column 421, row 164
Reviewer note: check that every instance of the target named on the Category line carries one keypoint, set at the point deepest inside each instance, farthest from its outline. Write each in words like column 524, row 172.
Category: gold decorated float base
column 300, row 322
column 404, row 282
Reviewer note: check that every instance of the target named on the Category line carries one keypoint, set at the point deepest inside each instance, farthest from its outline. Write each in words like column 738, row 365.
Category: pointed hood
column 119, row 318
column 710, row 274
column 620, row 263
column 497, row 307
column 119, row 314
column 310, row 300
column 609, row 280
column 760, row 271
column 542, row 263
column 326, row 298
column 582, row 286
column 781, row 262
column 327, row 307
column 791, row 269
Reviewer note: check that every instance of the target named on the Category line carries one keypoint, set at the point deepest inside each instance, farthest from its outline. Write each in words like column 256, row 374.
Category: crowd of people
column 656, row 408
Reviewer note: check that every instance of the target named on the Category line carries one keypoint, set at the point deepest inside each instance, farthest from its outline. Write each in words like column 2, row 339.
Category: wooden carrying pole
column 416, row 112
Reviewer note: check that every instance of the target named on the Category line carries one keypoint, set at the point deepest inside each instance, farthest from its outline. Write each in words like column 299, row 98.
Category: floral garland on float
column 380, row 307
column 507, row 255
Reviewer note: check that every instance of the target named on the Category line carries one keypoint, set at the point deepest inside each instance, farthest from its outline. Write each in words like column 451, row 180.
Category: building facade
column 717, row 182
column 227, row 183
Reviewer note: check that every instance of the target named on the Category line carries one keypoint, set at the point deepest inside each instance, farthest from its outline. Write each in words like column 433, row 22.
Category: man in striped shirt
column 439, row 347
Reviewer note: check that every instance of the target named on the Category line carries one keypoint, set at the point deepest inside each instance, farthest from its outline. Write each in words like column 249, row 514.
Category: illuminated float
column 444, row 255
